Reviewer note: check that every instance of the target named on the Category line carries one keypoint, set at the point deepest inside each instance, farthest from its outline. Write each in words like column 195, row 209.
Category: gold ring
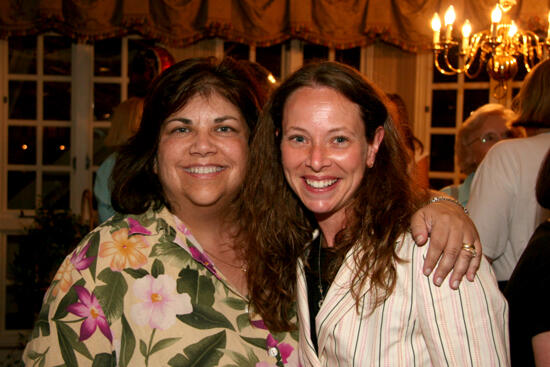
column 470, row 248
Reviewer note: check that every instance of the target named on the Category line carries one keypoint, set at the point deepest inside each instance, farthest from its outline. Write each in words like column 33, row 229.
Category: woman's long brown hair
column 279, row 227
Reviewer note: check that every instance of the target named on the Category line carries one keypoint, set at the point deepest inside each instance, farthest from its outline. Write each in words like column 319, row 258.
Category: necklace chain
column 242, row 267
column 320, row 284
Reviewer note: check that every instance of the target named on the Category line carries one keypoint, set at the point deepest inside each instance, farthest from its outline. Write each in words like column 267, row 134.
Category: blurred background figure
column 502, row 200
column 528, row 291
column 124, row 124
column 420, row 160
column 485, row 127
column 145, row 67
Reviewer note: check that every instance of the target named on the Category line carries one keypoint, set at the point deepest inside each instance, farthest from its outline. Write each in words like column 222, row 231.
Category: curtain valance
column 176, row 23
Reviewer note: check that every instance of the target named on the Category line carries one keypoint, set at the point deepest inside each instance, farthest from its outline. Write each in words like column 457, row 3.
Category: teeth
column 321, row 184
column 203, row 170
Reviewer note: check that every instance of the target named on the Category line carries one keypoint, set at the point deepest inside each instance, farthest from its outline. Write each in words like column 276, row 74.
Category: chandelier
column 499, row 48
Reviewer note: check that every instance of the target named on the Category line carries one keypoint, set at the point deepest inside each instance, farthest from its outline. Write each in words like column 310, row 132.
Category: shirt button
column 246, row 308
column 273, row 351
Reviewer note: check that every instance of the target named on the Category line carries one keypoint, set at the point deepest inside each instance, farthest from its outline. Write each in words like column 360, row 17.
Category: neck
column 209, row 227
column 330, row 225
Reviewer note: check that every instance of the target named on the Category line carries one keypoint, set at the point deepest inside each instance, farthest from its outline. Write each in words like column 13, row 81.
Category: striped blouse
column 419, row 324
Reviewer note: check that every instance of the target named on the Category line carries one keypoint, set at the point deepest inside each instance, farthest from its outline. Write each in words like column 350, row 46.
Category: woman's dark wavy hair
column 280, row 227
column 135, row 186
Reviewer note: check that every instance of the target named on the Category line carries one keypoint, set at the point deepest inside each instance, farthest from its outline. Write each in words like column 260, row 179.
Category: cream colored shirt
column 418, row 325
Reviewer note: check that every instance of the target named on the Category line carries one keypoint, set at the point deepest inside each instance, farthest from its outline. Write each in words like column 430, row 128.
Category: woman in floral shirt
column 141, row 290
column 166, row 283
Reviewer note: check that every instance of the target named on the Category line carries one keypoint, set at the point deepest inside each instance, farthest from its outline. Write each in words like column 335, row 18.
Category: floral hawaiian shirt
column 140, row 291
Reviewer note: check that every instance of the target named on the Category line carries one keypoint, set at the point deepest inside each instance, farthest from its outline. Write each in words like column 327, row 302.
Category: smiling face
column 324, row 149
column 202, row 154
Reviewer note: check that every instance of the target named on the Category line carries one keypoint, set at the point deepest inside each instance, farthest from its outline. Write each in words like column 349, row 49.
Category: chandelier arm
column 439, row 68
column 451, row 67
column 471, row 57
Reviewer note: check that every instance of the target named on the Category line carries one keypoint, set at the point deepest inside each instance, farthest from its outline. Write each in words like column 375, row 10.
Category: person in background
column 484, row 127
column 420, row 163
column 502, row 200
column 124, row 124
column 362, row 296
column 528, row 291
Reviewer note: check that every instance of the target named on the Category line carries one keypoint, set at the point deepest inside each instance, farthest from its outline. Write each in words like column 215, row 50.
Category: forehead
column 210, row 102
column 320, row 105
column 493, row 122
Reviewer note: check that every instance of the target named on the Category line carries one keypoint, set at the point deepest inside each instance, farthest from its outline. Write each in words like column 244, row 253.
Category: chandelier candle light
column 498, row 48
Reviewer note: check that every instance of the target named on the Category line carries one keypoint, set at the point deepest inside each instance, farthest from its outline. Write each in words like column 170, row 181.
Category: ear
column 372, row 148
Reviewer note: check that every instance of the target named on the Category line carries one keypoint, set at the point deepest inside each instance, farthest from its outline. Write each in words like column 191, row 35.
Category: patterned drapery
column 176, row 23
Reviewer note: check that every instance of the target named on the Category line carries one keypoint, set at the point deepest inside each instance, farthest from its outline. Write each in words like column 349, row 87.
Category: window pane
column 21, row 190
column 143, row 66
column 444, row 108
column 57, row 146
column 439, row 183
column 22, row 55
column 442, row 153
column 57, row 55
column 21, row 145
column 101, row 152
column 107, row 57
column 57, row 101
column 22, row 97
column 474, row 98
column 106, row 97
column 19, row 303
column 236, row 50
column 270, row 58
column 55, row 190
column 315, row 52
column 453, row 59
column 351, row 57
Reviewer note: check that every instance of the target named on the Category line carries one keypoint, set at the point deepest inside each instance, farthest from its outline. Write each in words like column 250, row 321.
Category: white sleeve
column 491, row 199
column 466, row 327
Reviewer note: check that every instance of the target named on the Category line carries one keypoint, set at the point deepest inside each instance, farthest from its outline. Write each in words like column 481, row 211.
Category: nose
column 202, row 144
column 318, row 158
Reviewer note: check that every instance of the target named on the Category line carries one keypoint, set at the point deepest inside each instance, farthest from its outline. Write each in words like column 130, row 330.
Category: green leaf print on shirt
column 171, row 254
column 70, row 298
column 205, row 353
column 69, row 343
column 111, row 295
column 205, row 317
column 92, row 251
column 157, row 268
column 104, row 360
column 201, row 289
column 127, row 343
column 241, row 361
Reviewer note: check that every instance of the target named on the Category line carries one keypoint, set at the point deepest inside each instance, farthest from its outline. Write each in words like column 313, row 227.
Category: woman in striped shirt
column 362, row 297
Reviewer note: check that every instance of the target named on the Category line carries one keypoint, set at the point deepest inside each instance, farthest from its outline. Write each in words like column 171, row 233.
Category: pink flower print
column 203, row 259
column 285, row 349
column 79, row 259
column 90, row 308
column 136, row 227
column 159, row 302
column 258, row 324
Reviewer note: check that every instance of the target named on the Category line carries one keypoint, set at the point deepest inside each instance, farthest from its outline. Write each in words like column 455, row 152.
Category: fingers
column 476, row 261
column 420, row 229
column 451, row 244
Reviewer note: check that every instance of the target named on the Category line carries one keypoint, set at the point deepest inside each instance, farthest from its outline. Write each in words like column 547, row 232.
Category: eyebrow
column 217, row 120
